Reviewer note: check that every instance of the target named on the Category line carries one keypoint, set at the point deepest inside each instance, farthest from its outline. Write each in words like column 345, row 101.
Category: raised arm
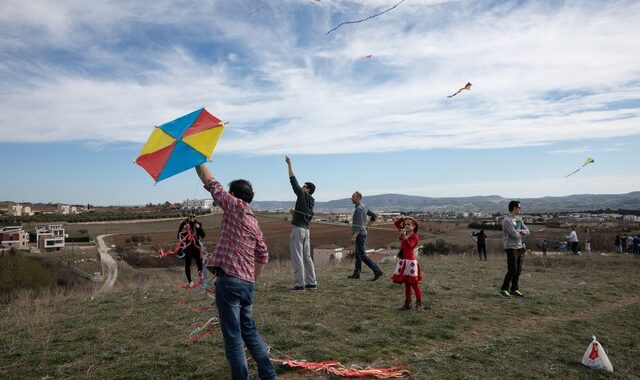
column 203, row 173
column 292, row 178
column 289, row 166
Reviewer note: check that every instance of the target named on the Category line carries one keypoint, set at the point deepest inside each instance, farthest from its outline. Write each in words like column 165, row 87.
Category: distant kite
column 365, row 19
column 368, row 56
column 588, row 161
column 266, row 4
column 466, row 87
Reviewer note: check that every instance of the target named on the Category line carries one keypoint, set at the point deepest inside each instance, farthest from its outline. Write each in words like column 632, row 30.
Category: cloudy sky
column 82, row 83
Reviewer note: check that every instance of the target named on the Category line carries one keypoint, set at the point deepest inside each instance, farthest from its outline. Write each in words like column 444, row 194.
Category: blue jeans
column 361, row 255
column 234, row 298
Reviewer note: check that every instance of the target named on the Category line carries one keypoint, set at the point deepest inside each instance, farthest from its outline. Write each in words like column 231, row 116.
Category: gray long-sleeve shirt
column 358, row 219
column 512, row 231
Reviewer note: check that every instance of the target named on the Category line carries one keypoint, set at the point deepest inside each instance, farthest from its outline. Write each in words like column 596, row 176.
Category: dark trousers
column 514, row 267
column 482, row 249
column 188, row 255
column 574, row 247
column 361, row 256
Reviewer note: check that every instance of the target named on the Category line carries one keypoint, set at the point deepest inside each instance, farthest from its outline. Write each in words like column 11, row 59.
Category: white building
column 631, row 218
column 14, row 237
column 63, row 209
column 50, row 238
column 27, row 211
column 15, row 210
column 198, row 204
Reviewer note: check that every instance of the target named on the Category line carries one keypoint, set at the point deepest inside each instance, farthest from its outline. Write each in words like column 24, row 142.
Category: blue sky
column 83, row 83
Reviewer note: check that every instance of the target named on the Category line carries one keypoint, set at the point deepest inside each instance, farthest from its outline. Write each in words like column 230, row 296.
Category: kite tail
column 572, row 173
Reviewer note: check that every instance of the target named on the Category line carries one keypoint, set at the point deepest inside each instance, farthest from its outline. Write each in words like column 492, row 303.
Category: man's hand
column 287, row 160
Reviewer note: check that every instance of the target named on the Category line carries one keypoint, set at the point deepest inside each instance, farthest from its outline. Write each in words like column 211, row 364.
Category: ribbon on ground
column 337, row 369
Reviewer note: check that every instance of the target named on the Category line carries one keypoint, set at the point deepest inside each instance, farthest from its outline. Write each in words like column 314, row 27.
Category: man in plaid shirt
column 240, row 256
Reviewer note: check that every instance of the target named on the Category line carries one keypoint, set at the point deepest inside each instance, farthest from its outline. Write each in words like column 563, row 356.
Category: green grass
column 467, row 331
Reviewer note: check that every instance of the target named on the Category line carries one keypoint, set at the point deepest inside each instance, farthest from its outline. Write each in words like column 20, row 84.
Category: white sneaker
column 191, row 284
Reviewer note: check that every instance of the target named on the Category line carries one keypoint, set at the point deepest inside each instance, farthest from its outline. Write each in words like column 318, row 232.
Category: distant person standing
column 189, row 233
column 636, row 245
column 408, row 270
column 623, row 243
column 512, row 231
column 480, row 242
column 618, row 243
column 572, row 238
column 300, row 240
column 239, row 258
column 544, row 247
column 359, row 237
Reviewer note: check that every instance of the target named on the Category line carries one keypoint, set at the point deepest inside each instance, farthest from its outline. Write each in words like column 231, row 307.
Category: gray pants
column 300, row 248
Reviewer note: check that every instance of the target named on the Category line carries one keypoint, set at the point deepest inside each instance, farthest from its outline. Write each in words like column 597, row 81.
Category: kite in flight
column 588, row 161
column 466, row 87
column 180, row 144
column 365, row 19
column 368, row 56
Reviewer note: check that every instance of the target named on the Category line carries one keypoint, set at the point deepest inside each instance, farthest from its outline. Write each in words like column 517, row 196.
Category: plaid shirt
column 241, row 243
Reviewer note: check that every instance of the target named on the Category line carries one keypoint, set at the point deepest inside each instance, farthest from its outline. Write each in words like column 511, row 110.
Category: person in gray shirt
column 359, row 237
column 299, row 242
column 512, row 231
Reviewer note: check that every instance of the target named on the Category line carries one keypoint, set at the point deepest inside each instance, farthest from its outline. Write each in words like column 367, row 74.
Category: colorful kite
column 365, row 19
column 588, row 161
column 466, row 87
column 181, row 144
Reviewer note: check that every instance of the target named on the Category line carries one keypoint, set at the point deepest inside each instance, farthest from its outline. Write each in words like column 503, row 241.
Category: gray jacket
column 359, row 219
column 512, row 231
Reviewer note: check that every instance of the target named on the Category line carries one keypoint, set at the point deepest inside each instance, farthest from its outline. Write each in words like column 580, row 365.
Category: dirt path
column 109, row 265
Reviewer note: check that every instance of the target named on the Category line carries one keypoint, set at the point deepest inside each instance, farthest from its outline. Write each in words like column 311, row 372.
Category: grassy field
column 139, row 329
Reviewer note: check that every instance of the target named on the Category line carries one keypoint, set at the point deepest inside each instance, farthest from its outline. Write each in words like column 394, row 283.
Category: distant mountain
column 491, row 203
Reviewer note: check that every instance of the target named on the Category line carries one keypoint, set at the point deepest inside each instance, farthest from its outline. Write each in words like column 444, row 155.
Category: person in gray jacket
column 359, row 237
column 512, row 231
column 299, row 243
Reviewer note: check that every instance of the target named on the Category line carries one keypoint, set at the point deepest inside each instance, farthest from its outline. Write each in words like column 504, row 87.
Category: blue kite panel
column 182, row 158
column 176, row 128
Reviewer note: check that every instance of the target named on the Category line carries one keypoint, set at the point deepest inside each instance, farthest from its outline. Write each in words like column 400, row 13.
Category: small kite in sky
column 365, row 19
column 180, row 144
column 266, row 4
column 368, row 56
column 588, row 161
column 466, row 87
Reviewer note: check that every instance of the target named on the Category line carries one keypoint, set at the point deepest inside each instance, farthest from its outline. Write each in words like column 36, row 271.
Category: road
column 109, row 265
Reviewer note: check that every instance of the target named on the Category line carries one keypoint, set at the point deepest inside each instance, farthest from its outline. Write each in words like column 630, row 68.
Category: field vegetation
column 139, row 329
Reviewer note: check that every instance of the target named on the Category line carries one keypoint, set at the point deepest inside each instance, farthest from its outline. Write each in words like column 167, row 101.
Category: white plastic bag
column 596, row 358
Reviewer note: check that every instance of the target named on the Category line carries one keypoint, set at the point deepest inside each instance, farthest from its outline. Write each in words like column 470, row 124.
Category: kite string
column 365, row 19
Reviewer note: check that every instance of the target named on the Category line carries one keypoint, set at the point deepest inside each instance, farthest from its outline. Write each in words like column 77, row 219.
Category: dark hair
column 310, row 186
column 241, row 189
column 513, row 205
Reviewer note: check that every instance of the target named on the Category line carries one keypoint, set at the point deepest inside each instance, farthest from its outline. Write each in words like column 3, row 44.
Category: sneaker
column 191, row 284
column 518, row 293
column 504, row 293
column 297, row 289
column 311, row 287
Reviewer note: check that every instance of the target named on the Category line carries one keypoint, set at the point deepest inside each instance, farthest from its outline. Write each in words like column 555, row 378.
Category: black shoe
column 311, row 287
column 377, row 276
column 297, row 289
column 355, row 275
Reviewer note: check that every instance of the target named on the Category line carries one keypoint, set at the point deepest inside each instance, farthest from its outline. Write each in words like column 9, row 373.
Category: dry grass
column 138, row 330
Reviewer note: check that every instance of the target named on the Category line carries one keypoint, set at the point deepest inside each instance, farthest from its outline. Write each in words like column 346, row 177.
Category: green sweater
column 304, row 205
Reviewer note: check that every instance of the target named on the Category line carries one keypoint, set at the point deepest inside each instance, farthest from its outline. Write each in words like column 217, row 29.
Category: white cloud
column 541, row 74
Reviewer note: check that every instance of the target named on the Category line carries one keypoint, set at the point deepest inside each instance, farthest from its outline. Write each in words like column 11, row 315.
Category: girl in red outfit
column 408, row 270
